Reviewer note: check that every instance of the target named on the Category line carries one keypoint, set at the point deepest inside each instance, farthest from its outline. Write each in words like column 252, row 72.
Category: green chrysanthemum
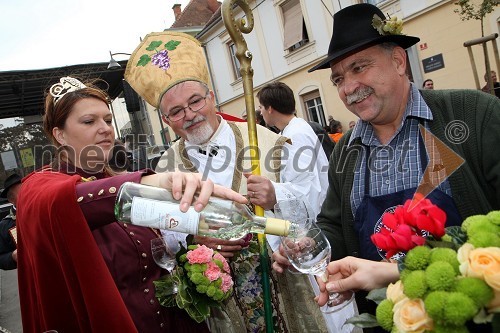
column 482, row 225
column 201, row 289
column 449, row 329
column 211, row 291
column 440, row 275
column 415, row 285
column 494, row 217
column 476, row 289
column 418, row 258
column 404, row 273
column 471, row 220
column 384, row 314
column 445, row 254
column 484, row 239
column 459, row 309
column 435, row 302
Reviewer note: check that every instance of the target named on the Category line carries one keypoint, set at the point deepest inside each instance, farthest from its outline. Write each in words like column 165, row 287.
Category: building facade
column 291, row 36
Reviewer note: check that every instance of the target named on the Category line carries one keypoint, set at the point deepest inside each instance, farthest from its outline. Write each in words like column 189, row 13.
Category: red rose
column 427, row 216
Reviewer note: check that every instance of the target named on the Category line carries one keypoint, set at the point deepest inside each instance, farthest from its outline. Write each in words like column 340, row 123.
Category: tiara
column 66, row 84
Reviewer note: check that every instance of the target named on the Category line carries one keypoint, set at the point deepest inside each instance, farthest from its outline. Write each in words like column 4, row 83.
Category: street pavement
column 10, row 314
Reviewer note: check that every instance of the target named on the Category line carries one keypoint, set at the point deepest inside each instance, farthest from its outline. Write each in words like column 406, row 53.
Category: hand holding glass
column 310, row 254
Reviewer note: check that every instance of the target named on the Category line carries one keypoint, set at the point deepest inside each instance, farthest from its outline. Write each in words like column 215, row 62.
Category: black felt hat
column 353, row 31
column 9, row 182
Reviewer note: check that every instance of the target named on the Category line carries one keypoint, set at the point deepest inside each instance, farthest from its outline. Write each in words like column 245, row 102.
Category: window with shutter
column 234, row 61
column 294, row 28
column 314, row 107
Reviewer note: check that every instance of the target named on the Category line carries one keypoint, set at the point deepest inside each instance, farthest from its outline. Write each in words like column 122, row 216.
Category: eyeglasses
column 195, row 105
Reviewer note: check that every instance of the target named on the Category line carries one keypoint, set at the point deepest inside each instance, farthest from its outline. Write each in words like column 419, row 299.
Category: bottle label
column 163, row 215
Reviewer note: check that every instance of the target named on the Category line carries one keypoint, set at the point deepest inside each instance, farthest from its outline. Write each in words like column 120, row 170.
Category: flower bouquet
column 203, row 279
column 448, row 277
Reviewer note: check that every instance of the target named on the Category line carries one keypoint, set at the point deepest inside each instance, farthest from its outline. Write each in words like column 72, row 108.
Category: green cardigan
column 475, row 185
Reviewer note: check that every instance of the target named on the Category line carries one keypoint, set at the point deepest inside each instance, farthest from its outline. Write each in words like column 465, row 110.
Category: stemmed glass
column 163, row 251
column 310, row 253
column 296, row 211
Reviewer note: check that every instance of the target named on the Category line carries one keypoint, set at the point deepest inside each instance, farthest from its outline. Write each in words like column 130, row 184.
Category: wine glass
column 163, row 251
column 299, row 213
column 310, row 253
column 294, row 210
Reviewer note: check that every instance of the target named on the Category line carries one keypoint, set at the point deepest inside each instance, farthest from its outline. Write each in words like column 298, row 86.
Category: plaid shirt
column 396, row 166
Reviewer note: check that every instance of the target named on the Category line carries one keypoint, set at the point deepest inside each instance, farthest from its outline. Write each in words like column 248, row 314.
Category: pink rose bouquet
column 204, row 280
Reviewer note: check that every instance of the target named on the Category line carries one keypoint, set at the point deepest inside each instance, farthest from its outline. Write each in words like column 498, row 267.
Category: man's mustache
column 197, row 119
column 359, row 95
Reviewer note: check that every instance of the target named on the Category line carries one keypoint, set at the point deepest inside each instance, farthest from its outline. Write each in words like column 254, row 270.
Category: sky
column 39, row 34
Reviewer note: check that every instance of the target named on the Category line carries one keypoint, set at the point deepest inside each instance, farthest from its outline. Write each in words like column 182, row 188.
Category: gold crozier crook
column 235, row 28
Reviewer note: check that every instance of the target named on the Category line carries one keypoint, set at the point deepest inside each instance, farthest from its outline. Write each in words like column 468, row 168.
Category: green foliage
column 468, row 10
column 440, row 275
column 415, row 285
column 171, row 45
column 476, row 289
column 144, row 60
column 384, row 314
column 418, row 258
column 377, row 295
column 153, row 45
column 363, row 320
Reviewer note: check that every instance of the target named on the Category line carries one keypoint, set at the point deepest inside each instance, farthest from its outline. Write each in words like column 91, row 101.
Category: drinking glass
column 294, row 210
column 163, row 251
column 298, row 212
column 310, row 253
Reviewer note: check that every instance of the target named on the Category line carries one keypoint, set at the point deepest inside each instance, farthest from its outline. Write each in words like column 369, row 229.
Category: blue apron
column 367, row 219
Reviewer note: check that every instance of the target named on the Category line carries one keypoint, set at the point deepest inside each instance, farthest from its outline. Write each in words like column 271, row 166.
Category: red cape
column 64, row 283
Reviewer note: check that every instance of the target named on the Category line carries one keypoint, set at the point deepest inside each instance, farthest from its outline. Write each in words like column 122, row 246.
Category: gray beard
column 200, row 135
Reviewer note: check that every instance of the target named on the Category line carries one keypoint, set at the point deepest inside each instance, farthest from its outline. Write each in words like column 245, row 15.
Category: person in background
column 368, row 68
column 352, row 123
column 277, row 105
column 220, row 150
column 80, row 270
column 494, row 80
column 326, row 142
column 335, row 130
column 8, row 231
column 428, row 84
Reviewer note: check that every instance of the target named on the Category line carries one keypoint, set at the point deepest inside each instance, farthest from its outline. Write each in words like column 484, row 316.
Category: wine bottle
column 155, row 207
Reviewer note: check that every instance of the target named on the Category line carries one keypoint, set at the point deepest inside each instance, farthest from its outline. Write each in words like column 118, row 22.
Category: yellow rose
column 395, row 292
column 463, row 257
column 484, row 263
column 410, row 316
column 494, row 305
column 493, row 279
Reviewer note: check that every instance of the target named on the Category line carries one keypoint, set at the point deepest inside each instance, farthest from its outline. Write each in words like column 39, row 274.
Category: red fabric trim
column 64, row 283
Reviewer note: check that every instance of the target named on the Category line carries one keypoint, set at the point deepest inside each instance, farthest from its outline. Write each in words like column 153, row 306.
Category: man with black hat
column 8, row 236
column 386, row 158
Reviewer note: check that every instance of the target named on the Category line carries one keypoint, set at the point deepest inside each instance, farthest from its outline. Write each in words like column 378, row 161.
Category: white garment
column 304, row 175
column 311, row 152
